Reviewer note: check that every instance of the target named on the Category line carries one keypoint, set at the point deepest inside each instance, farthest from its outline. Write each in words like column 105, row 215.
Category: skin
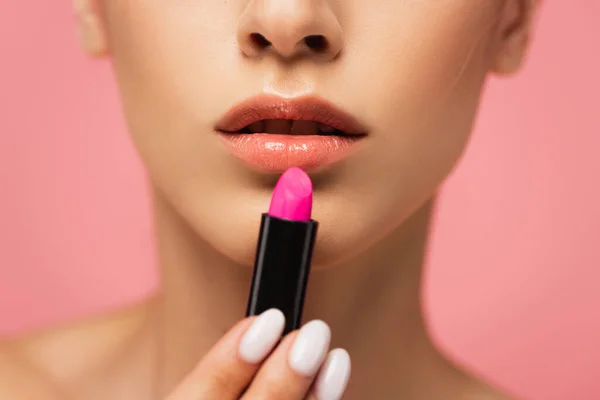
column 412, row 71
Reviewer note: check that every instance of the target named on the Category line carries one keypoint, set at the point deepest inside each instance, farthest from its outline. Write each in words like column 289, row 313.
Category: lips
column 272, row 134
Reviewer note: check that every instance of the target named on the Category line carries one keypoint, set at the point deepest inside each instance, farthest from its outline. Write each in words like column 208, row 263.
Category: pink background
column 513, row 282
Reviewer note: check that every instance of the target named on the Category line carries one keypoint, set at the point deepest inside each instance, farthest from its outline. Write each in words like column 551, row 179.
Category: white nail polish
column 262, row 336
column 310, row 348
column 333, row 378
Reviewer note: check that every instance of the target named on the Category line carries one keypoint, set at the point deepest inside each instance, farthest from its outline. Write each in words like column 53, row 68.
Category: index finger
column 228, row 368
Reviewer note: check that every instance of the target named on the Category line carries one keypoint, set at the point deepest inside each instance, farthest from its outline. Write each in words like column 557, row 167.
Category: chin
column 333, row 247
column 345, row 230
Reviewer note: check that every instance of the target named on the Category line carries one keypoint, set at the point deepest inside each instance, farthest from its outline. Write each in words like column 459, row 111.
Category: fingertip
column 310, row 348
column 262, row 336
column 333, row 378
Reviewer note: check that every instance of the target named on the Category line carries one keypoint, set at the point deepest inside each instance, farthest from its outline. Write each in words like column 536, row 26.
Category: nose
column 290, row 28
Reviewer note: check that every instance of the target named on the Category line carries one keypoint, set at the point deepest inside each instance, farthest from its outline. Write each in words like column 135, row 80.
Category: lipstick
column 284, row 251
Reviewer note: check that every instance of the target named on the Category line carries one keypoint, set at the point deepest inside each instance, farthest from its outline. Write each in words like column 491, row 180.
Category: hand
column 243, row 364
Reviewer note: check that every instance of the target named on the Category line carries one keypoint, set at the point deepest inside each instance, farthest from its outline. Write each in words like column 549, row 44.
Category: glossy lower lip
column 276, row 153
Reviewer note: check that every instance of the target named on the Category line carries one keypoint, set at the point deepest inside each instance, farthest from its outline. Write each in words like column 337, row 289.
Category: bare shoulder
column 34, row 365
column 19, row 381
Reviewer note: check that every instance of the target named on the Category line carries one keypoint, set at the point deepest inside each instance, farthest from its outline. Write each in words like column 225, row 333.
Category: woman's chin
column 237, row 239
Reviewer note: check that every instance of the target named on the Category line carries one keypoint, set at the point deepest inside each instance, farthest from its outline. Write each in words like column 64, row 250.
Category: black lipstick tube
column 281, row 268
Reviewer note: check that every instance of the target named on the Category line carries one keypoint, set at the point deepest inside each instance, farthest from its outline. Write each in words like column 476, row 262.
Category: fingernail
column 310, row 348
column 262, row 336
column 333, row 378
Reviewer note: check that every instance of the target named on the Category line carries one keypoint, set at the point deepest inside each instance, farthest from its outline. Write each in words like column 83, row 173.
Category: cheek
column 166, row 71
column 164, row 62
column 421, row 102
column 431, row 82
column 430, row 65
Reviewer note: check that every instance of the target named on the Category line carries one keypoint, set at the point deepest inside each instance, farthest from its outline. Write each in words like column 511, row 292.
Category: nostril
column 259, row 40
column 316, row 43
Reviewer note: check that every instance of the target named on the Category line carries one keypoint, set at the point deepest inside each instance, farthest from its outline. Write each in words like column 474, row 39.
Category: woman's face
column 410, row 71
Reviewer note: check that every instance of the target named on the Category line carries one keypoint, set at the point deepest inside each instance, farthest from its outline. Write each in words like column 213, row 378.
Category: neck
column 372, row 304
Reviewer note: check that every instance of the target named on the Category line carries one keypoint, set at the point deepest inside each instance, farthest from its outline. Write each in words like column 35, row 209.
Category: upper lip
column 306, row 108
